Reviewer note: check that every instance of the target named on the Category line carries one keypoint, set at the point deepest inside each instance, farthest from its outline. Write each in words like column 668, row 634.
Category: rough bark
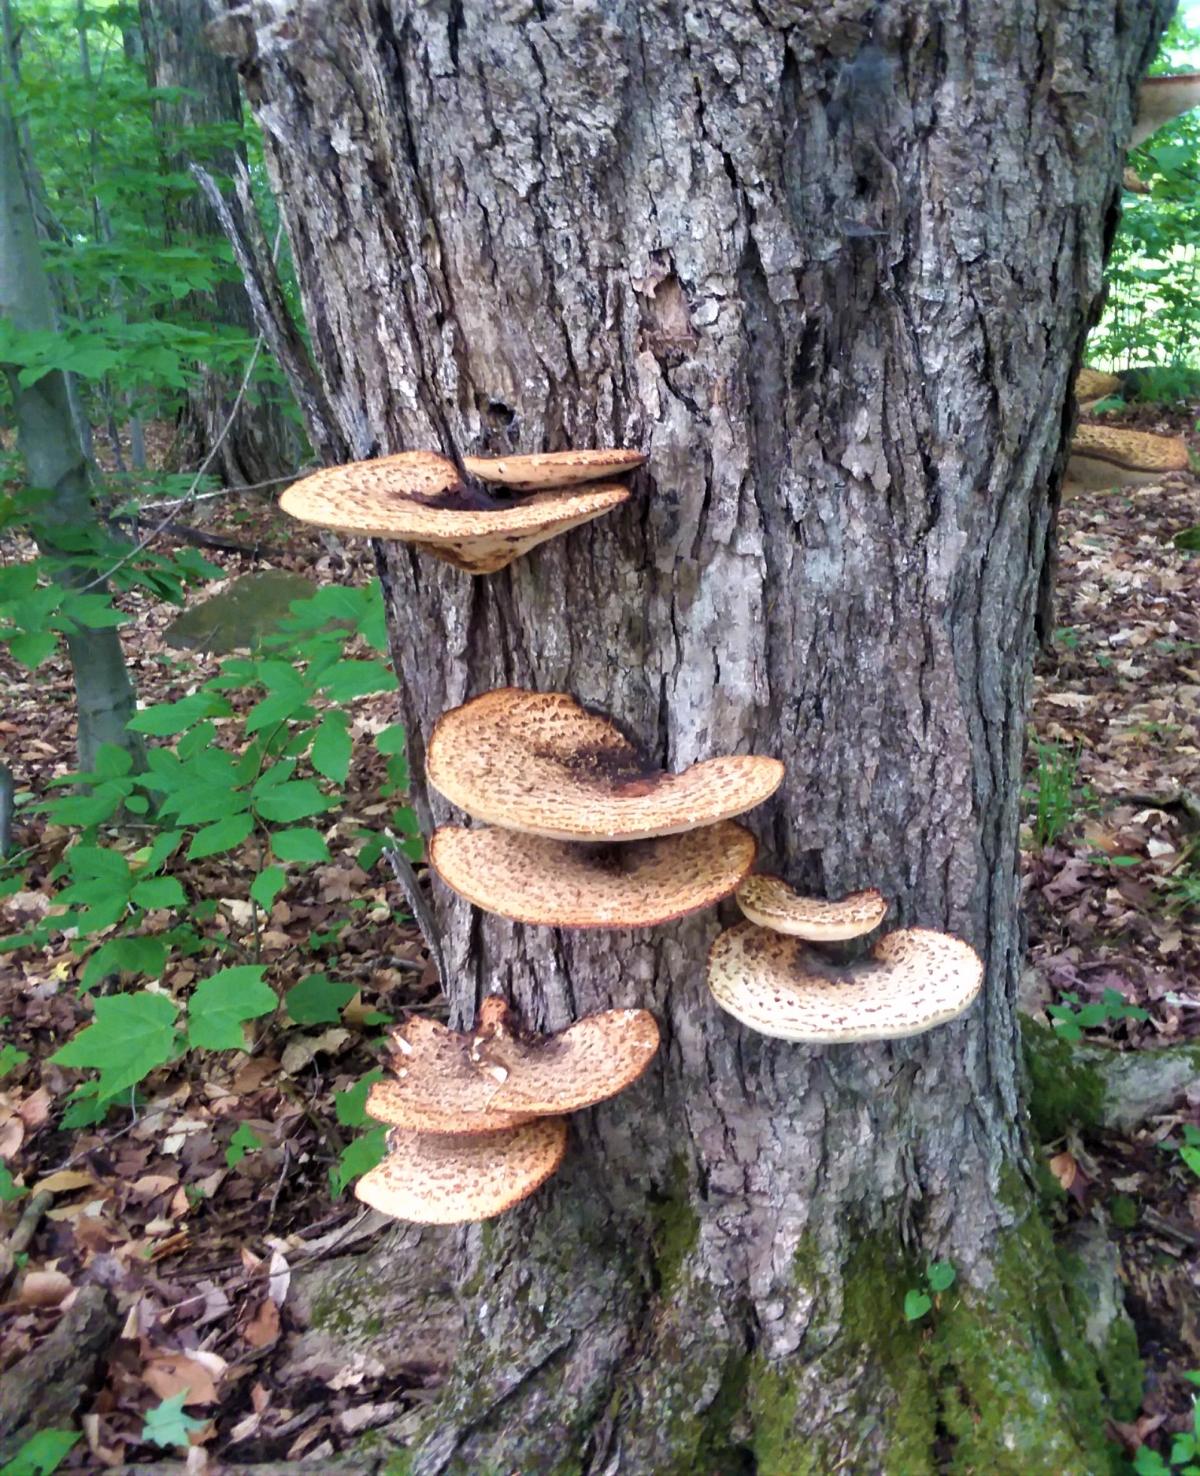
column 831, row 267
column 261, row 443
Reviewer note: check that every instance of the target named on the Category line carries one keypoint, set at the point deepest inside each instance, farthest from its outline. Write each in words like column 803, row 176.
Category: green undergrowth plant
column 919, row 1301
column 1183, row 1457
column 1070, row 1018
column 1054, row 795
column 247, row 771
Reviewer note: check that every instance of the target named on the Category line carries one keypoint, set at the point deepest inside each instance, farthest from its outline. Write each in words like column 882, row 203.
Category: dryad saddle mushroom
column 1104, row 456
column 420, row 498
column 478, row 1117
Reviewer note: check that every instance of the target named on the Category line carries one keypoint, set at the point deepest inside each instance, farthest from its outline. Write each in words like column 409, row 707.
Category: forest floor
column 198, row 1236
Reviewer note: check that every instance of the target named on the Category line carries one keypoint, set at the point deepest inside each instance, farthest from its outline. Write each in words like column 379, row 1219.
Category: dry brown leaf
column 64, row 1181
column 1064, row 1168
column 44, row 1289
column 263, row 1328
column 168, row 1374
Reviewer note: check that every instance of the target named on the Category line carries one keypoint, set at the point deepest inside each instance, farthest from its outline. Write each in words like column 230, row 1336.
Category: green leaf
column 350, row 679
column 11, row 1057
column 276, row 708
column 267, row 885
column 1191, row 1156
column 916, row 1304
column 350, row 1106
column 332, row 747
column 10, row 1190
column 1188, row 540
column 222, row 1003
column 1148, row 1462
column 940, row 1276
column 41, row 1454
column 166, row 1423
column 318, row 1000
column 129, row 955
column 299, row 845
column 99, row 863
column 223, row 835
column 32, row 648
column 166, row 718
column 112, row 761
column 294, row 800
column 244, row 1141
column 95, row 611
column 159, row 891
column 131, row 1035
column 357, row 1158
column 392, row 740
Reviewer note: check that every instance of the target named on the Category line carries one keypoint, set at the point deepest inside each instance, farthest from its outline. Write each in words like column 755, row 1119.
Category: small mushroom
column 1104, row 456
column 419, row 498
column 771, row 903
column 566, row 884
column 912, row 980
column 590, row 1061
column 451, row 1179
column 552, row 468
column 1092, row 386
column 1162, row 98
column 539, row 762
column 1133, row 182
column 498, row 1077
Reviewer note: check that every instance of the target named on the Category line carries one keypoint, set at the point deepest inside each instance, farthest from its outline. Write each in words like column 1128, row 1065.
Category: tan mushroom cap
column 552, row 468
column 1133, row 182
column 1092, row 385
column 912, row 980
column 434, row 1085
column 566, row 884
column 417, row 497
column 450, row 1180
column 771, row 903
column 1162, row 98
column 538, row 762
column 1105, row 456
column 590, row 1061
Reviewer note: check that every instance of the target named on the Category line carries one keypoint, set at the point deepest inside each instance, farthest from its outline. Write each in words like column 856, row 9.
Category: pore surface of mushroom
column 1162, row 98
column 539, row 762
column 1092, row 385
column 552, row 468
column 771, row 903
column 450, row 1179
column 912, row 980
column 569, row 884
column 418, row 497
column 1104, row 456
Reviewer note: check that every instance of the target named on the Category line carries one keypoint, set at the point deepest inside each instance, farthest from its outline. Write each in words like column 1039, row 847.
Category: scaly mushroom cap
column 1104, row 456
column 449, row 1180
column 592, row 1060
column 435, row 1086
column 1134, row 183
column 1092, row 385
column 912, row 980
column 771, row 903
column 564, row 884
column 1162, row 98
column 552, row 468
column 540, row 763
column 419, row 498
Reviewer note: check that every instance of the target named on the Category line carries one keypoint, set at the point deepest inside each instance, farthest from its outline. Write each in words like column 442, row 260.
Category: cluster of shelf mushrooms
column 574, row 829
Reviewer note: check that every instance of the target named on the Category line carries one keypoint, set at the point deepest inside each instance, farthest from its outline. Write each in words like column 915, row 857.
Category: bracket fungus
column 912, row 980
column 478, row 1117
column 552, row 468
column 541, row 763
column 571, row 884
column 1093, row 385
column 771, row 903
column 1104, row 456
column 1162, row 98
column 420, row 498
column 453, row 1178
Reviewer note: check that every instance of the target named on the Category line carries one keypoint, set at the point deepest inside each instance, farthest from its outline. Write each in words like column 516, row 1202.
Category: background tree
column 199, row 103
column 57, row 470
column 832, row 268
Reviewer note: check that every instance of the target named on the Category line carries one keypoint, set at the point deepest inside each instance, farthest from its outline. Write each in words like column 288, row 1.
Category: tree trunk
column 55, row 462
column 830, row 267
column 262, row 443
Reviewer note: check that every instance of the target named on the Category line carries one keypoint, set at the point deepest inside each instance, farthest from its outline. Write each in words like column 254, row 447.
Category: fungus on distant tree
column 1162, row 98
column 1104, row 456
column 420, row 498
